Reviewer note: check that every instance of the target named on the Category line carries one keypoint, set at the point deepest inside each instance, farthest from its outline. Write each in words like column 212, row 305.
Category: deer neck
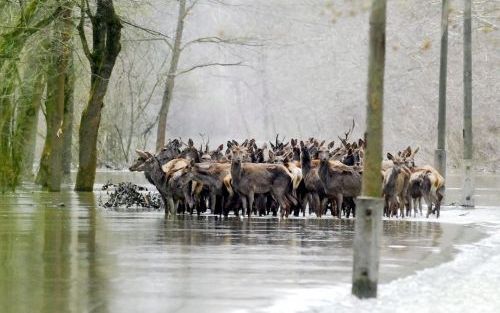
column 323, row 167
column 236, row 169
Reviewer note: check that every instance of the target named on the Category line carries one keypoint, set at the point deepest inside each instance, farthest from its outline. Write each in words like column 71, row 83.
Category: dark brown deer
column 311, row 179
column 151, row 166
column 339, row 180
column 250, row 178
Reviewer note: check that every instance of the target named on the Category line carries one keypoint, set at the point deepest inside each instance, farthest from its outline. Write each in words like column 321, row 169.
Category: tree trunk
column 50, row 172
column 368, row 228
column 34, row 82
column 8, row 175
column 169, row 85
column 440, row 155
column 468, row 188
column 106, row 33
column 372, row 184
column 68, row 118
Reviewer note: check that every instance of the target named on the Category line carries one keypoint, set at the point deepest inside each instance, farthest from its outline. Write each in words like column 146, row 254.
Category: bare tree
column 106, row 34
column 176, row 49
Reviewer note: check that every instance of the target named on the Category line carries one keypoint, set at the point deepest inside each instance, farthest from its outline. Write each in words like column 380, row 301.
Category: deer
column 152, row 168
column 312, row 182
column 339, row 180
column 257, row 178
column 432, row 187
column 217, row 178
column 395, row 186
column 425, row 182
column 285, row 157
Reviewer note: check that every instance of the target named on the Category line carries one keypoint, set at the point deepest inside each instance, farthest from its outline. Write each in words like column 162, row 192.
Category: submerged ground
column 62, row 253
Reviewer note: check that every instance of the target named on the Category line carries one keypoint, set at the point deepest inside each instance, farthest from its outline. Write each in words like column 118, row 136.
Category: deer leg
column 429, row 205
column 250, row 203
column 244, row 205
column 439, row 197
column 213, row 201
column 340, row 199
column 171, row 207
column 315, row 204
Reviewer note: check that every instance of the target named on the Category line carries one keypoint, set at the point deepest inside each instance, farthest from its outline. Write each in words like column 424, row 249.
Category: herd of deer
column 285, row 177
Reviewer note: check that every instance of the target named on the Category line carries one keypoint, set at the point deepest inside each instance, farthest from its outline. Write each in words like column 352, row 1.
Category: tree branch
column 189, row 8
column 219, row 40
column 207, row 65
column 81, row 33
column 164, row 37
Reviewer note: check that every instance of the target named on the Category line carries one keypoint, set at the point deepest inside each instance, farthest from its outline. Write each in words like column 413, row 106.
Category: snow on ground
column 468, row 283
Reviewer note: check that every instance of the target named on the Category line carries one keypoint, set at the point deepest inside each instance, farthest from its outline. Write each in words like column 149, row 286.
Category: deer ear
column 322, row 143
column 221, row 147
column 288, row 156
column 271, row 154
column 361, row 142
column 229, row 144
column 141, row 153
column 416, row 150
column 190, row 142
column 149, row 154
column 349, row 152
column 390, row 156
column 331, row 144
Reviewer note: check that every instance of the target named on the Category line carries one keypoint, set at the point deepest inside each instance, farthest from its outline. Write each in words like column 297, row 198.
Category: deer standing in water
column 258, row 178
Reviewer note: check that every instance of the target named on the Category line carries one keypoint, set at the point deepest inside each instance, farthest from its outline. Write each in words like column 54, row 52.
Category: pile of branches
column 130, row 195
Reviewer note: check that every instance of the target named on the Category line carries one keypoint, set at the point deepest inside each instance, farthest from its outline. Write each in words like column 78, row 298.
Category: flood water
column 60, row 252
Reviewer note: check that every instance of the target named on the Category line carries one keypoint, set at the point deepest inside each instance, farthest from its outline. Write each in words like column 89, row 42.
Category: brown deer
column 339, row 180
column 151, row 166
column 395, row 186
column 432, row 188
column 312, row 182
column 257, row 178
column 217, row 178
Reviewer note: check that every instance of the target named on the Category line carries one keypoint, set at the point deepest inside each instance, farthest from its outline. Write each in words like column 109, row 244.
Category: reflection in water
column 59, row 253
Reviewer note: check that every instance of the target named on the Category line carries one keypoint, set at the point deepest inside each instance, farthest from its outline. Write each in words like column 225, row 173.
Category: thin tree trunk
column 440, row 155
column 468, row 189
column 169, row 85
column 106, row 33
column 369, row 209
column 372, row 185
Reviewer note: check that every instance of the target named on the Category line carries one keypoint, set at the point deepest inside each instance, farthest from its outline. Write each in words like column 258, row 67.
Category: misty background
column 303, row 74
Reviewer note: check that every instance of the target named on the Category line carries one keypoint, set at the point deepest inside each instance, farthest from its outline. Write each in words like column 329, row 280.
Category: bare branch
column 189, row 8
column 219, row 40
column 81, row 33
column 164, row 37
column 207, row 65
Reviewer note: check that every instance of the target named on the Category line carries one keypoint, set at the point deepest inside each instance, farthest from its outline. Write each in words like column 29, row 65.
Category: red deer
column 251, row 178
column 217, row 178
column 312, row 181
column 395, row 186
column 339, row 180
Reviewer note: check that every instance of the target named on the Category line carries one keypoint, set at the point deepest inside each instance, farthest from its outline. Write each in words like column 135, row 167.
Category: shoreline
column 463, row 284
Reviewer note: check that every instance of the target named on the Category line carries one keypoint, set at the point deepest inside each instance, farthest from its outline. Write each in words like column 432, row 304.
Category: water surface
column 59, row 252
